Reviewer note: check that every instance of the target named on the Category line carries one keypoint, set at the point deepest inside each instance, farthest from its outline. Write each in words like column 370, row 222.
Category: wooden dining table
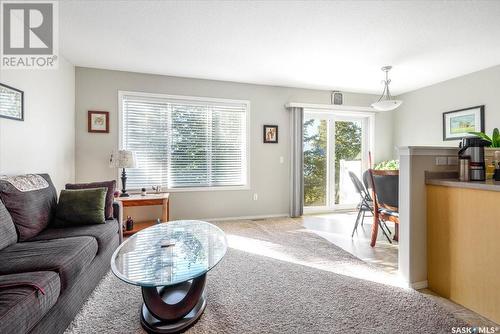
column 381, row 210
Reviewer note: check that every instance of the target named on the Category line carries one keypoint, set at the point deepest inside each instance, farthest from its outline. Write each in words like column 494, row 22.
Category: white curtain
column 297, row 165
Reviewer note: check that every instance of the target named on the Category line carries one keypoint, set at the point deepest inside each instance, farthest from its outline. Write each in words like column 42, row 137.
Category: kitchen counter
column 489, row 185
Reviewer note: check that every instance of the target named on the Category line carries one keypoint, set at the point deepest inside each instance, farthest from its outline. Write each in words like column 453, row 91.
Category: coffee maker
column 473, row 147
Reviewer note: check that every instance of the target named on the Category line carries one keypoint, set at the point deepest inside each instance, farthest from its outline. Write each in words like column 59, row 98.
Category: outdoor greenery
column 315, row 165
column 347, row 147
column 388, row 165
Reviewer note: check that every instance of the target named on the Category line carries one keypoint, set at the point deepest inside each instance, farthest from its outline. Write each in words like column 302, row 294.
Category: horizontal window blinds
column 182, row 143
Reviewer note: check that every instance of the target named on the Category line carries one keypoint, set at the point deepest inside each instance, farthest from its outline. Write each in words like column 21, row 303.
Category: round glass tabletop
column 169, row 253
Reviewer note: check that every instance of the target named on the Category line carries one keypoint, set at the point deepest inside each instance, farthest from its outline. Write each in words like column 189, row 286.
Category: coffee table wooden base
column 172, row 309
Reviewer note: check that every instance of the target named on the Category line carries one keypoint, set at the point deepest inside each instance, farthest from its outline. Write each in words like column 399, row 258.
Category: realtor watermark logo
column 29, row 34
column 475, row 330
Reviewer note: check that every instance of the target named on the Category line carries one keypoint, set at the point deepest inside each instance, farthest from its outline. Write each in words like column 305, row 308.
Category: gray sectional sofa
column 47, row 273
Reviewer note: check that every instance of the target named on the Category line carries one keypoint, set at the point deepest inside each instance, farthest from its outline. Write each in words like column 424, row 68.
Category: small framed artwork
column 458, row 123
column 98, row 121
column 11, row 103
column 270, row 134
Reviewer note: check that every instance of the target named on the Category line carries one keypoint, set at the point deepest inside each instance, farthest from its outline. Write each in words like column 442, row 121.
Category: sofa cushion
column 80, row 207
column 8, row 235
column 67, row 256
column 109, row 185
column 104, row 233
column 25, row 298
column 31, row 200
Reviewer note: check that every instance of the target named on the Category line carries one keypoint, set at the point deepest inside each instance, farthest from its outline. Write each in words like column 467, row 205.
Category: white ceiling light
column 386, row 102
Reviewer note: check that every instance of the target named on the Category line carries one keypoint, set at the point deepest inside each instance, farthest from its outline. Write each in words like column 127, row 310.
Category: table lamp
column 123, row 159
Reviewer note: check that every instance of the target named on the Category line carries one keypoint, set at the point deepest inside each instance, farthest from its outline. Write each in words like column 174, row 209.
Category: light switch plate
column 441, row 161
column 452, row 161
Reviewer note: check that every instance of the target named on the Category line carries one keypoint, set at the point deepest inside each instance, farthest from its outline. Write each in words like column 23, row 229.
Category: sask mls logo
column 29, row 34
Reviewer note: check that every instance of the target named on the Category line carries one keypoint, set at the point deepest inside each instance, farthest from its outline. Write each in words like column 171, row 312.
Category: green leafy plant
column 494, row 139
column 348, row 140
column 388, row 165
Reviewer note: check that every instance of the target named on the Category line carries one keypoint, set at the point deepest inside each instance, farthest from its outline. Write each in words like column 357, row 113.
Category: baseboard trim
column 419, row 285
column 248, row 217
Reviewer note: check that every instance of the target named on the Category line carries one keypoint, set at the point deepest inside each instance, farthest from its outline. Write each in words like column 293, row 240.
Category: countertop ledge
column 489, row 185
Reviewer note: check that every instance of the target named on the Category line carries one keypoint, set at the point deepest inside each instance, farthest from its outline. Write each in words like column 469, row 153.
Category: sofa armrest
column 118, row 215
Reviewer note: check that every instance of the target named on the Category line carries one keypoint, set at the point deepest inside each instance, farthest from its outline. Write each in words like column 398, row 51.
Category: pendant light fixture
column 386, row 102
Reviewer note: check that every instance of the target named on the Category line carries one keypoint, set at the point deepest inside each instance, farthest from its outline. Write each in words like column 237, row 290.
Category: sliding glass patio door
column 335, row 143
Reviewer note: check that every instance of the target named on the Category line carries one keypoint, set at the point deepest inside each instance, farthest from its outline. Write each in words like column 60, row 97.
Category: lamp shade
column 123, row 159
column 386, row 105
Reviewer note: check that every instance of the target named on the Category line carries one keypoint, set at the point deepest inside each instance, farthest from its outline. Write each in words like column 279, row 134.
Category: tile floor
column 337, row 228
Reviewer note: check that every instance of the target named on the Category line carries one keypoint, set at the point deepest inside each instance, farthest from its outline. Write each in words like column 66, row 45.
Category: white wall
column 419, row 120
column 45, row 141
column 98, row 90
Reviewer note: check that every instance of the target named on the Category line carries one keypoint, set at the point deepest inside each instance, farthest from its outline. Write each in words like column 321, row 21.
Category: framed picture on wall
column 98, row 121
column 458, row 123
column 11, row 103
column 270, row 134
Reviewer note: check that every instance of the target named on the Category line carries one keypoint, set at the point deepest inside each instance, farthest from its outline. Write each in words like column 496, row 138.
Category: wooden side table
column 147, row 200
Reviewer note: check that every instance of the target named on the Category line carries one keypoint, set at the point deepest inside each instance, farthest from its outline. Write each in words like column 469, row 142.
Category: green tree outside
column 347, row 147
column 315, row 164
column 348, row 139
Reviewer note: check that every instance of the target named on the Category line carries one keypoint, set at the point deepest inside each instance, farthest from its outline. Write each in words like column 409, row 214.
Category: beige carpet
column 279, row 278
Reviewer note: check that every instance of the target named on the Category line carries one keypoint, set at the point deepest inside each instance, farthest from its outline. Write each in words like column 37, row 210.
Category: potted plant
column 388, row 165
column 494, row 143
column 494, row 139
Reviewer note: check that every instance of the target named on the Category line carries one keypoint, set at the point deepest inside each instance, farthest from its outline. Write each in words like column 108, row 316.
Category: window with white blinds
column 185, row 142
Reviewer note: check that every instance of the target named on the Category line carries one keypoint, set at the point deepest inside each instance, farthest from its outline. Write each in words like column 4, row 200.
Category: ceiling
column 314, row 44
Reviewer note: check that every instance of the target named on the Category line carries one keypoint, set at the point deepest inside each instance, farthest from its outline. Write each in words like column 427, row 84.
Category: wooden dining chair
column 385, row 189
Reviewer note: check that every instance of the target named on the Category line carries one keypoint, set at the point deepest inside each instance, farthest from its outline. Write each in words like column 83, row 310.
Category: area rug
column 279, row 278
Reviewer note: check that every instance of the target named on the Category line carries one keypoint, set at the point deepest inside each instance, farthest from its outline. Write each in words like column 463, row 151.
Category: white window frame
column 246, row 186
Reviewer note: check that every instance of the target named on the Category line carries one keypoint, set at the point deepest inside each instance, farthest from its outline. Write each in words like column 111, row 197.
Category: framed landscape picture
column 98, row 121
column 458, row 123
column 11, row 103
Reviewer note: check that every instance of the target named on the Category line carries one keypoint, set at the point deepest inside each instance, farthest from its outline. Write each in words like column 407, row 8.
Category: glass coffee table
column 169, row 262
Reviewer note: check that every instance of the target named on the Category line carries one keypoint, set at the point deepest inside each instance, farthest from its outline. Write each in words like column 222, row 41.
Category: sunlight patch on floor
column 278, row 252
column 347, row 237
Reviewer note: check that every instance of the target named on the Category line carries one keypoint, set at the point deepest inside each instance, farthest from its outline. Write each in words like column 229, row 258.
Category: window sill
column 197, row 189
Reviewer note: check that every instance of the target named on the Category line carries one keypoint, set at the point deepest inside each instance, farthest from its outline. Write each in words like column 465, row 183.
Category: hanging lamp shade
column 386, row 105
column 386, row 101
